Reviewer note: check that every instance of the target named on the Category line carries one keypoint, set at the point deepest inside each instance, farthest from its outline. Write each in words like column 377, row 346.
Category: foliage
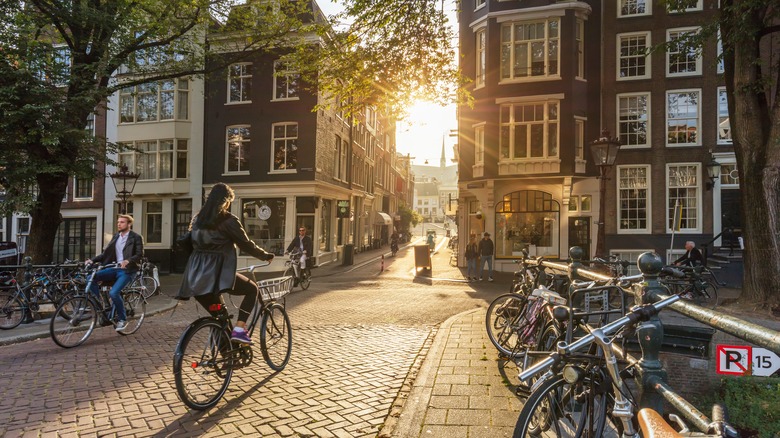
column 753, row 404
column 409, row 218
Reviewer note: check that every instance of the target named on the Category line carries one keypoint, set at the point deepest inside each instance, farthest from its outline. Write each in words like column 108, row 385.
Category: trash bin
column 422, row 259
column 377, row 244
column 348, row 258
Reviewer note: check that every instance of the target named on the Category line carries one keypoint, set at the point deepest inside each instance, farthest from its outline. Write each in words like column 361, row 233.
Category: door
column 182, row 214
column 731, row 210
column 579, row 233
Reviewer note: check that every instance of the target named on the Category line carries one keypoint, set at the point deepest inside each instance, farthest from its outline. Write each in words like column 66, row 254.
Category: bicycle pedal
column 523, row 390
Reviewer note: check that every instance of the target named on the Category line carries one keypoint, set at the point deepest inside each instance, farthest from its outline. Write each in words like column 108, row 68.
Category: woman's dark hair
column 217, row 204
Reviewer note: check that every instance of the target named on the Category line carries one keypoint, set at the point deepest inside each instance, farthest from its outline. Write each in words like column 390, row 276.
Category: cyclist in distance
column 303, row 243
column 211, row 268
column 692, row 256
column 126, row 249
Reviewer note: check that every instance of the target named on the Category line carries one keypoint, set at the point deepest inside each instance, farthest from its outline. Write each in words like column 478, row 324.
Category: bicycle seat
column 653, row 425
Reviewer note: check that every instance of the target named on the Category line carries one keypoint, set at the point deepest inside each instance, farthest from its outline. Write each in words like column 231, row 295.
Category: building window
column 480, row 75
column 683, row 197
column 286, row 81
column 285, row 146
column 721, row 64
column 264, row 222
column 580, row 36
column 631, row 256
column 633, row 120
column 633, row 56
column 478, row 4
column 579, row 139
column 682, row 59
column 690, row 5
column 586, row 202
column 337, row 158
column 239, row 83
column 155, row 101
column 724, row 125
column 83, row 189
column 237, row 149
column 153, row 222
column 630, row 8
column 729, row 175
column 529, row 49
column 529, row 131
column 156, row 159
column 527, row 218
column 479, row 144
column 633, row 198
column 344, row 151
column 682, row 117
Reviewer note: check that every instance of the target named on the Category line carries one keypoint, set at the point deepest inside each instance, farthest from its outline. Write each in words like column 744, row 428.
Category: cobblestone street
column 357, row 339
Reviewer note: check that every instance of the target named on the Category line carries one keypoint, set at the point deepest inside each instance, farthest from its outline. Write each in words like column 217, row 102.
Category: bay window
column 530, row 49
column 529, row 131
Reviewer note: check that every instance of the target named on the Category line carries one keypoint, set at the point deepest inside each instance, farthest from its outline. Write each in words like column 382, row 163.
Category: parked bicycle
column 301, row 277
column 205, row 358
column 77, row 316
column 147, row 280
column 47, row 286
column 694, row 287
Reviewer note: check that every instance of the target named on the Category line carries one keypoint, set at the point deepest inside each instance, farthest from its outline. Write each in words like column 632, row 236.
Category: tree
column 749, row 34
column 59, row 61
column 409, row 218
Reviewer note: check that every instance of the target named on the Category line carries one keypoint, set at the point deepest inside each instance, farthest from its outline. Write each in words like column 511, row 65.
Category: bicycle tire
column 11, row 310
column 559, row 409
column 706, row 295
column 135, row 311
column 305, row 280
column 203, row 364
column 503, row 321
column 276, row 337
column 73, row 321
column 144, row 284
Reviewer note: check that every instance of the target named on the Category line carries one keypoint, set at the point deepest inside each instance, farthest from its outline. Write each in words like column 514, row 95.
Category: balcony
column 529, row 166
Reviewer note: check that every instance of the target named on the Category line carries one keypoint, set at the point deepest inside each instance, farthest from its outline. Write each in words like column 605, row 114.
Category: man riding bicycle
column 303, row 243
column 126, row 249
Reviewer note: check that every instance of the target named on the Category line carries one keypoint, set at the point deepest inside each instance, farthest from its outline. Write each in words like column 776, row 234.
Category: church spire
column 443, row 161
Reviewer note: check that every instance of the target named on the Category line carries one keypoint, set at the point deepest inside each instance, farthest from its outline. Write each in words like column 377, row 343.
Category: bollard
column 650, row 333
column 382, row 264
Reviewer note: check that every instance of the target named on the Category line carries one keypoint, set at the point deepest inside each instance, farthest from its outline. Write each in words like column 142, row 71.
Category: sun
column 424, row 128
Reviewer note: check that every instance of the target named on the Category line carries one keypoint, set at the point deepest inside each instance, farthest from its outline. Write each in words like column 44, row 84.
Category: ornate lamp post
column 124, row 183
column 604, row 151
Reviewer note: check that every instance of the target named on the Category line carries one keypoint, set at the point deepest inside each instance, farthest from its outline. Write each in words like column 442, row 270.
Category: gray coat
column 211, row 267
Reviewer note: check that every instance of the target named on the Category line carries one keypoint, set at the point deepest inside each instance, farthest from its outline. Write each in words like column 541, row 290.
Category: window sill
column 683, row 145
column 632, row 78
column 235, row 173
column 683, row 75
column 241, row 102
column 633, row 231
column 273, row 172
column 529, row 79
column 285, row 99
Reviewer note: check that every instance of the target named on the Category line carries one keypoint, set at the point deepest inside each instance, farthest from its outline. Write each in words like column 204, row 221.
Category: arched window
column 527, row 219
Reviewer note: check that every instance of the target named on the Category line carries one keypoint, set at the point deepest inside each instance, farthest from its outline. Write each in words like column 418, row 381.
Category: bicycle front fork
column 622, row 409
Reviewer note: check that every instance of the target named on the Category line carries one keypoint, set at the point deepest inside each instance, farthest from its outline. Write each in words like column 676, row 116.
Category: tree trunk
column 46, row 217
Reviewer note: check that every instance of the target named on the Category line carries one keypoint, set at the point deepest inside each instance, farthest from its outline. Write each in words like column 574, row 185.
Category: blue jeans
column 121, row 278
column 489, row 260
column 471, row 270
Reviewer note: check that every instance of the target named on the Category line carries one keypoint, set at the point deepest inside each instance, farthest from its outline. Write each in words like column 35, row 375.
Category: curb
column 414, row 403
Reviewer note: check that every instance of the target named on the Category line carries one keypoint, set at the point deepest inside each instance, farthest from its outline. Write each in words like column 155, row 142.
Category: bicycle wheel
column 706, row 295
column 504, row 321
column 559, row 409
column 305, row 279
column 73, row 321
column 11, row 310
column 276, row 337
column 146, row 285
column 203, row 364
column 135, row 308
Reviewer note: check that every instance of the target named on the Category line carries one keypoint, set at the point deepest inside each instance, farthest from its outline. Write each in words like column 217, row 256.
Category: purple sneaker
column 241, row 337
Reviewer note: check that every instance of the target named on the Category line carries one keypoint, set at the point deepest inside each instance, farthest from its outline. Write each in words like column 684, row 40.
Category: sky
column 421, row 133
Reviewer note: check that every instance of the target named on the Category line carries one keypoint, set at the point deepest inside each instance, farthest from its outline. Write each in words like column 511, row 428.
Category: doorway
column 579, row 233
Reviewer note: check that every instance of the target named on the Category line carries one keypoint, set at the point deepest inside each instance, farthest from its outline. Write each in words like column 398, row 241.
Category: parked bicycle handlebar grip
column 674, row 272
column 720, row 425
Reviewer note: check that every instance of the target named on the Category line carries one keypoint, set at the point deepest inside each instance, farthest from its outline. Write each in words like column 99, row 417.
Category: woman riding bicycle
column 211, row 268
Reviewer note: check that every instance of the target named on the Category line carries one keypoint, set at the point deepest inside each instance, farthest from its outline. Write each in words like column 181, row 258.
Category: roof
column 445, row 175
column 426, row 189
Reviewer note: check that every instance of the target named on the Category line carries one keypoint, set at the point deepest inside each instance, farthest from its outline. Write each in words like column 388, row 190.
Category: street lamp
column 604, row 151
column 713, row 172
column 125, row 185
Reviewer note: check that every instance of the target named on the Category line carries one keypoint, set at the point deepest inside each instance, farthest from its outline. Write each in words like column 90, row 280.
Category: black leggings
column 243, row 287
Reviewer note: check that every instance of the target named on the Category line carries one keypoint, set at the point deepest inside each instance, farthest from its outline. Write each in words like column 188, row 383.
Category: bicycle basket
column 275, row 288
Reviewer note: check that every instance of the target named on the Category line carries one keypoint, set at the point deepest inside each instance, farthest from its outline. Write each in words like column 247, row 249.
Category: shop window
column 527, row 219
column 264, row 221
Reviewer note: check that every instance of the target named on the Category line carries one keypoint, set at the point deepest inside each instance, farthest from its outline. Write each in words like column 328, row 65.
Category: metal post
column 600, row 232
column 650, row 333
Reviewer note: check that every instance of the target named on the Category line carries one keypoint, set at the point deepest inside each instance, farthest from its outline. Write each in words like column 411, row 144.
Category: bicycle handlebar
column 638, row 314
column 251, row 268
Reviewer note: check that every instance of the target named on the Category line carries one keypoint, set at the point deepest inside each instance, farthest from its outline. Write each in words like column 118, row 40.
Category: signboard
column 738, row 360
column 9, row 253
column 342, row 209
column 264, row 212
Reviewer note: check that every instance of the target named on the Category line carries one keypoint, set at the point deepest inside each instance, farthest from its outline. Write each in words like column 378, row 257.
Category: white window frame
column 580, row 46
column 727, row 176
column 647, row 57
column 670, row 36
column 481, row 58
column 286, row 74
column 242, row 142
column 512, row 124
column 159, row 215
column 132, row 94
column 620, row 122
column 513, row 41
column 579, row 138
column 273, row 147
column 698, row 117
column 244, row 77
column 670, row 206
column 723, row 117
column 648, row 200
column 479, row 4
column 698, row 7
column 648, row 8
column 130, row 157
column 91, row 183
column 630, row 255
column 479, row 143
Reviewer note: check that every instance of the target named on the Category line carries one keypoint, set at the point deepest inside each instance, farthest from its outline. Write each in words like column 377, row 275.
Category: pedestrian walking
column 472, row 254
column 486, row 251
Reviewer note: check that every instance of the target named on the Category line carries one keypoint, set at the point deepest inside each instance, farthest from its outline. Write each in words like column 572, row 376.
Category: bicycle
column 694, row 287
column 584, row 395
column 205, row 358
column 146, row 280
column 76, row 318
column 17, row 301
column 301, row 277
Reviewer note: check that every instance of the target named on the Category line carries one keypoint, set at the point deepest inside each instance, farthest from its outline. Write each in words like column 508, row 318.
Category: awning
column 383, row 218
